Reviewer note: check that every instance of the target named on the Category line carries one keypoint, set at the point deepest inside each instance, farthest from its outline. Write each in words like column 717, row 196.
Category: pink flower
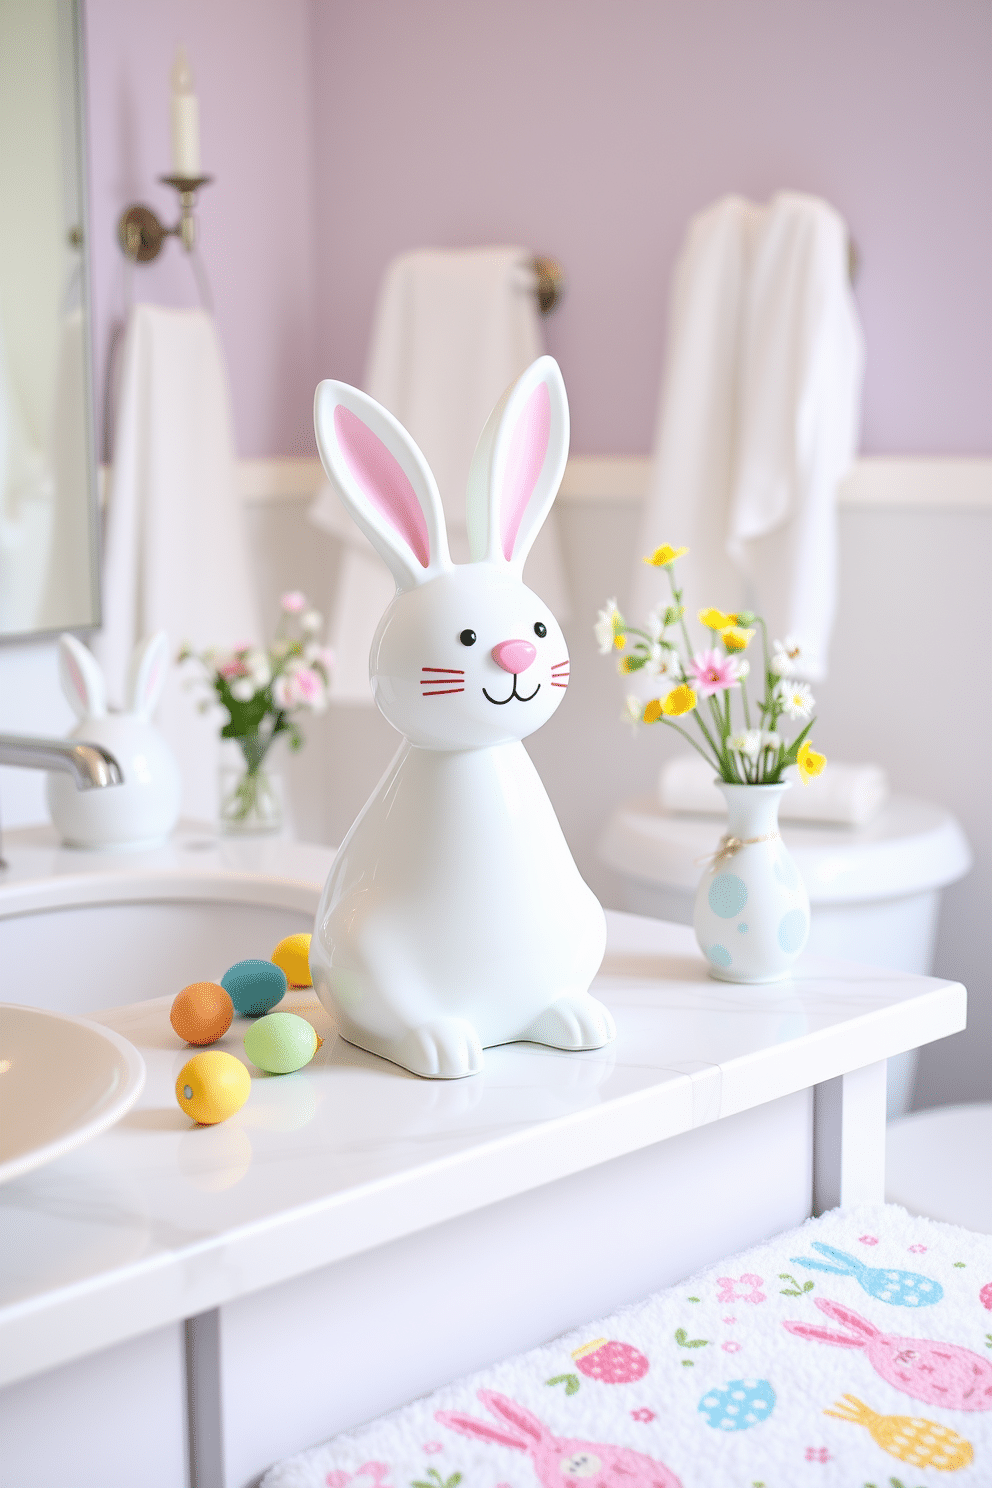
column 643, row 1414
column 231, row 667
column 710, row 672
column 730, row 1320
column 817, row 1454
column 433, row 1447
column 868, row 1239
column 283, row 692
column 730, row 1347
column 293, row 602
column 309, row 686
column 917, row 1249
column 743, row 1290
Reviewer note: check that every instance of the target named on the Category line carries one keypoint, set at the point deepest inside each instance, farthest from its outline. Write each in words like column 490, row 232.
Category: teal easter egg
column 254, row 987
column 281, row 1043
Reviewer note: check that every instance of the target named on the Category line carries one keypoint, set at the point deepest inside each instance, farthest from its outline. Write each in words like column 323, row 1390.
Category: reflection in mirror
column 49, row 576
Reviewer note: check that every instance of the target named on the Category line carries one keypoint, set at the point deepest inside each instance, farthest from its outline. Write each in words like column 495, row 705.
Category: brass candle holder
column 141, row 233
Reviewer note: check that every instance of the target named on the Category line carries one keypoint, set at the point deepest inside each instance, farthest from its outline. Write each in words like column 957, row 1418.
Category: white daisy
column 796, row 699
column 632, row 711
column 748, row 743
column 665, row 665
column 770, row 740
column 605, row 629
column 791, row 658
column 243, row 690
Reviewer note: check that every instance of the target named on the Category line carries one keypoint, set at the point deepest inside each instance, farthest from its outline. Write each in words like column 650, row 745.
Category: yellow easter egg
column 212, row 1086
column 292, row 954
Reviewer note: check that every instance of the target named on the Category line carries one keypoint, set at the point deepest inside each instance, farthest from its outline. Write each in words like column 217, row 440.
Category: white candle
column 185, row 120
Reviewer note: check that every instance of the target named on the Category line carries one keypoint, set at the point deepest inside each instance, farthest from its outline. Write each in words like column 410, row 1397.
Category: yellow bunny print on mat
column 912, row 1439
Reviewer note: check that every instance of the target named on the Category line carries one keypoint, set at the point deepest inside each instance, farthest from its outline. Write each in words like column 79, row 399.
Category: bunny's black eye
column 468, row 638
column 540, row 629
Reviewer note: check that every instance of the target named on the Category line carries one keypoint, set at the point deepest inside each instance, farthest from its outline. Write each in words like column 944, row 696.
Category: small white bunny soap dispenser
column 454, row 917
column 143, row 810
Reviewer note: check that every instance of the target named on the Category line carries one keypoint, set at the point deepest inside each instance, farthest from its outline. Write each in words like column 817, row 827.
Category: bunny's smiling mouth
column 514, row 694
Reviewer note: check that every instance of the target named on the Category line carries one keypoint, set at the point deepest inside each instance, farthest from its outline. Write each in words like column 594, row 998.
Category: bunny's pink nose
column 514, row 656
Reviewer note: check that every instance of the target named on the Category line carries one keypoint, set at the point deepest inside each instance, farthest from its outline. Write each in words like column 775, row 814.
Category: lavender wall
column 593, row 131
column 253, row 67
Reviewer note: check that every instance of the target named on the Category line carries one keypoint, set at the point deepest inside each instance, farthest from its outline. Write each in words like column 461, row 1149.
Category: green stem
column 690, row 740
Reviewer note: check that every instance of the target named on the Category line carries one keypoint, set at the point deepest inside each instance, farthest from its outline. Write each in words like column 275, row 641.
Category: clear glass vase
column 250, row 790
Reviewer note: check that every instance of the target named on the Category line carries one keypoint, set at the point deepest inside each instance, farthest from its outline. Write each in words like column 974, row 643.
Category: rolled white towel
column 849, row 795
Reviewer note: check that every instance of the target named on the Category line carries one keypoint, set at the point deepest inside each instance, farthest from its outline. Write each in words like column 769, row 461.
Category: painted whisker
column 454, row 671
column 444, row 692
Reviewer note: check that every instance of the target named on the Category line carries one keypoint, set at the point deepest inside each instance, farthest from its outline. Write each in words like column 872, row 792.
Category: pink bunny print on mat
column 937, row 1373
column 560, row 1461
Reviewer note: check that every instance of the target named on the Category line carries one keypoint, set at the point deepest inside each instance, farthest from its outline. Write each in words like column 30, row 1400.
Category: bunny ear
column 518, row 465
column 470, row 1427
column 146, row 674
column 517, row 1415
column 822, row 1335
column 847, row 1317
column 81, row 678
column 383, row 480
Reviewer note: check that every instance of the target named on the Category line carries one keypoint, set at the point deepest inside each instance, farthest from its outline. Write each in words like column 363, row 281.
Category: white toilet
column 874, row 890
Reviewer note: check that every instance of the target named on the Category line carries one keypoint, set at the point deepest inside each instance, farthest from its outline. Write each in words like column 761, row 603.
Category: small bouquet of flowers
column 700, row 683
column 263, row 690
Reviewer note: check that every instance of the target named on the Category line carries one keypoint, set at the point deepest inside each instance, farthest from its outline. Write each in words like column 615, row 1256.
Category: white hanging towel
column 452, row 329
column 759, row 416
column 176, row 552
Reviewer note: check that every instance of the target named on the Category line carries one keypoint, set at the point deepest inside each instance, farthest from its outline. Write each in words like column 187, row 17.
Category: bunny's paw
column 446, row 1049
column 574, row 1022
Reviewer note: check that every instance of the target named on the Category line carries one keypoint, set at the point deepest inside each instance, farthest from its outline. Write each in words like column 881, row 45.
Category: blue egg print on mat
column 792, row 931
column 739, row 1405
column 727, row 895
column 254, row 987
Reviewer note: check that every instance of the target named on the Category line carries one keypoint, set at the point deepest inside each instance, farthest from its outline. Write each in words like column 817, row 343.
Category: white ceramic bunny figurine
column 143, row 810
column 454, row 917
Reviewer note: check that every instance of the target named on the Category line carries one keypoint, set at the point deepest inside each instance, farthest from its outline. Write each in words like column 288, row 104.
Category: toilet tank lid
column 910, row 846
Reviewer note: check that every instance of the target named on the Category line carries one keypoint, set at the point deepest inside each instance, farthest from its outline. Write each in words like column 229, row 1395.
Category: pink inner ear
column 528, row 447
column 383, row 480
column 72, row 667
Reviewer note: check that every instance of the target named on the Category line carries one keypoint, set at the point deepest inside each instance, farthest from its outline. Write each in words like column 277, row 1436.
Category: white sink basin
column 62, row 1082
column 81, row 931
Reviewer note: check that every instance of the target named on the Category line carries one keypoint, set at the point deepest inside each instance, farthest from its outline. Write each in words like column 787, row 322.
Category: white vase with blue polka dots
column 752, row 909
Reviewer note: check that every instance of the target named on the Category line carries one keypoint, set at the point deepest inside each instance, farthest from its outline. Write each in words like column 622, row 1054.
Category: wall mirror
column 49, row 574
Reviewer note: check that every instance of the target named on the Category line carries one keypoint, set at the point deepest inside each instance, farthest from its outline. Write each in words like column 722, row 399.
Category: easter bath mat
column 853, row 1352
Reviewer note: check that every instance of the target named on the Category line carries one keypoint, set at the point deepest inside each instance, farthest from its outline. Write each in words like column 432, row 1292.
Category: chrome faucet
column 90, row 765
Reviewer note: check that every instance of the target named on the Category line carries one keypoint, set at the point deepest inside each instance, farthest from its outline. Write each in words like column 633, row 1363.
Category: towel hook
column 550, row 283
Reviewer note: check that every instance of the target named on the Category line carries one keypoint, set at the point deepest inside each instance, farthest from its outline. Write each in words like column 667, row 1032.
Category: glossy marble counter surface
column 157, row 1220
column 195, row 862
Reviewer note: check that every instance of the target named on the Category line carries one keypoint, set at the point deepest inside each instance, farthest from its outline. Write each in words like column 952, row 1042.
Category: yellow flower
column 680, row 700
column 663, row 556
column 736, row 637
column 652, row 710
column 628, row 664
column 810, row 763
column 716, row 619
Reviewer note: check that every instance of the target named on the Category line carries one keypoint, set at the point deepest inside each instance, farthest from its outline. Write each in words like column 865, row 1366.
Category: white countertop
column 157, row 1220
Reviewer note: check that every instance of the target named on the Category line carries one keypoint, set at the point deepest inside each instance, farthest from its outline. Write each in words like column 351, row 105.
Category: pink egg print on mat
column 611, row 1362
column 740, row 1289
column 936, row 1373
column 985, row 1296
column 559, row 1460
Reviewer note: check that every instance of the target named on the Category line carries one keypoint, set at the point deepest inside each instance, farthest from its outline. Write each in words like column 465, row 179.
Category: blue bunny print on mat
column 899, row 1288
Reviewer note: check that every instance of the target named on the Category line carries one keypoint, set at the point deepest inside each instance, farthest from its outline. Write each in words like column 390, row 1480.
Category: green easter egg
column 281, row 1042
column 254, row 987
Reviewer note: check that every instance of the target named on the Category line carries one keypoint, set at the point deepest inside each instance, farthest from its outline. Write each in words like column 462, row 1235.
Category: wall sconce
column 141, row 233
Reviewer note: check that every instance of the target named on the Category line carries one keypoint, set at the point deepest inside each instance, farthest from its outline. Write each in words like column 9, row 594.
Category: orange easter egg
column 202, row 1013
